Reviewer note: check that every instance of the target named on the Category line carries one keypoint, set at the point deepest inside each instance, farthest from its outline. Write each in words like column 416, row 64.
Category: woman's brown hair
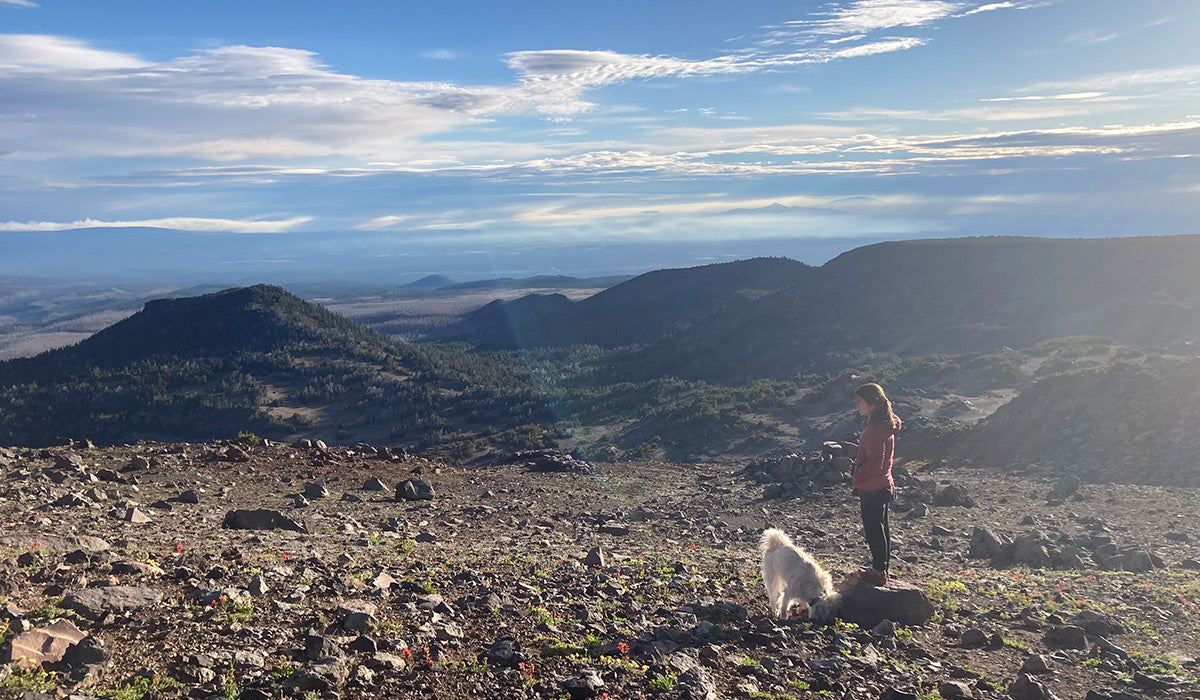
column 881, row 408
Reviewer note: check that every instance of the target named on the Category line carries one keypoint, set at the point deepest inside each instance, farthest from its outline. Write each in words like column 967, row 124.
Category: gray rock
column 257, row 586
column 953, row 495
column 136, row 568
column 1026, row 688
column 136, row 515
column 583, row 686
column 82, row 661
column 696, row 684
column 867, row 605
column 1036, row 664
column 985, row 544
column 954, row 689
column 316, row 489
column 505, row 652
column 1065, row 637
column 1097, row 624
column 974, row 637
column 95, row 602
column 595, row 557
column 613, row 528
column 261, row 519
column 414, row 490
column 189, row 496
column 1065, row 487
column 373, row 484
column 322, row 676
column 321, row 648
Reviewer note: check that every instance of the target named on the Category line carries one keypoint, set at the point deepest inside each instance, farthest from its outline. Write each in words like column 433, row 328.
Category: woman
column 872, row 477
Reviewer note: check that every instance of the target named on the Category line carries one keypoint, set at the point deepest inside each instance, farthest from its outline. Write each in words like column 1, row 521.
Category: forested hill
column 640, row 310
column 256, row 359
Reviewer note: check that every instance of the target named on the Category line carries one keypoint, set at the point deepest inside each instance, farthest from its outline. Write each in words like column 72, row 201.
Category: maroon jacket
column 873, row 465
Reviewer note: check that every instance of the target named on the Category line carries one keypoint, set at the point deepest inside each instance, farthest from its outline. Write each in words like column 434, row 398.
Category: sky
column 269, row 139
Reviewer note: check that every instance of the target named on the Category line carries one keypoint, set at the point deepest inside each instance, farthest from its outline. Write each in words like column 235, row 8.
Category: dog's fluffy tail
column 773, row 538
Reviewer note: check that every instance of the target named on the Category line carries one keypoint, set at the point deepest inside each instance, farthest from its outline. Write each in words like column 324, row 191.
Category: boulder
column 261, row 519
column 985, row 544
column 953, row 495
column 95, row 602
column 867, row 605
column 45, row 644
column 414, row 490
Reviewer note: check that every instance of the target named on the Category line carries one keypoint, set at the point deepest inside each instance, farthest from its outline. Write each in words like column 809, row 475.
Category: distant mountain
column 535, row 282
column 257, row 359
column 640, row 310
column 430, row 282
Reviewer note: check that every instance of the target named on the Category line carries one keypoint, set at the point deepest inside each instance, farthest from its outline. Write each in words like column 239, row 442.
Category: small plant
column 904, row 634
column 49, row 610
column 591, row 641
column 799, row 684
column 944, row 592
column 1014, row 644
column 229, row 689
column 139, row 687
column 1090, row 663
column 248, row 439
column 747, row 661
column 557, row 647
column 21, row 681
column 663, row 683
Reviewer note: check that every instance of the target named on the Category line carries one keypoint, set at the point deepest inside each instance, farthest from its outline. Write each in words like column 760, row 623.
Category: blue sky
column 368, row 130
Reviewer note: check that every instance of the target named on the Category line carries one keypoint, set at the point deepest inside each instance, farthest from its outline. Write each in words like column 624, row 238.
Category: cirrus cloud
column 178, row 223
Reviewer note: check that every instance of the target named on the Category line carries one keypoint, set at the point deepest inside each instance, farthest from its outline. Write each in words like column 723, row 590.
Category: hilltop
column 633, row 580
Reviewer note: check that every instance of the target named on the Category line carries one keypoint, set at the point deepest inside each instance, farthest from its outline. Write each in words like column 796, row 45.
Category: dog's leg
column 785, row 601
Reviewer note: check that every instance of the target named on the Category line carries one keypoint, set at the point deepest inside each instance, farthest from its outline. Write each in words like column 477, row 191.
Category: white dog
column 791, row 575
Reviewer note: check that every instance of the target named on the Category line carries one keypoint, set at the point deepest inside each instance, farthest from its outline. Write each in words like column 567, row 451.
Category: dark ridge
column 430, row 282
column 639, row 310
column 903, row 299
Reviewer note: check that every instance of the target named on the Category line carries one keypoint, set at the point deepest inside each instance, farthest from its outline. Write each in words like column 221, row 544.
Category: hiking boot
column 879, row 578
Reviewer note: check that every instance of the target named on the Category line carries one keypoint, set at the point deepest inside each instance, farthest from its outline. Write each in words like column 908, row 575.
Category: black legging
column 875, row 524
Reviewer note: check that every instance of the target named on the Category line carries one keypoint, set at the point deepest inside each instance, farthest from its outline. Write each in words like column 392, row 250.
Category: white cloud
column 177, row 223
column 37, row 51
column 865, row 16
column 19, row 3
column 885, row 46
column 1107, row 82
column 1092, row 36
column 440, row 55
column 383, row 222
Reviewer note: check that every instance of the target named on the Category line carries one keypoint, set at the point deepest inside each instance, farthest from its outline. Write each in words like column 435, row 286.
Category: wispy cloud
column 42, row 53
column 176, row 223
column 867, row 16
column 885, row 46
column 19, row 3
column 440, row 55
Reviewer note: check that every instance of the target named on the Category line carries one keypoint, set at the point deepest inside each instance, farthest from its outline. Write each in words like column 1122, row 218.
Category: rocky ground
column 544, row 579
